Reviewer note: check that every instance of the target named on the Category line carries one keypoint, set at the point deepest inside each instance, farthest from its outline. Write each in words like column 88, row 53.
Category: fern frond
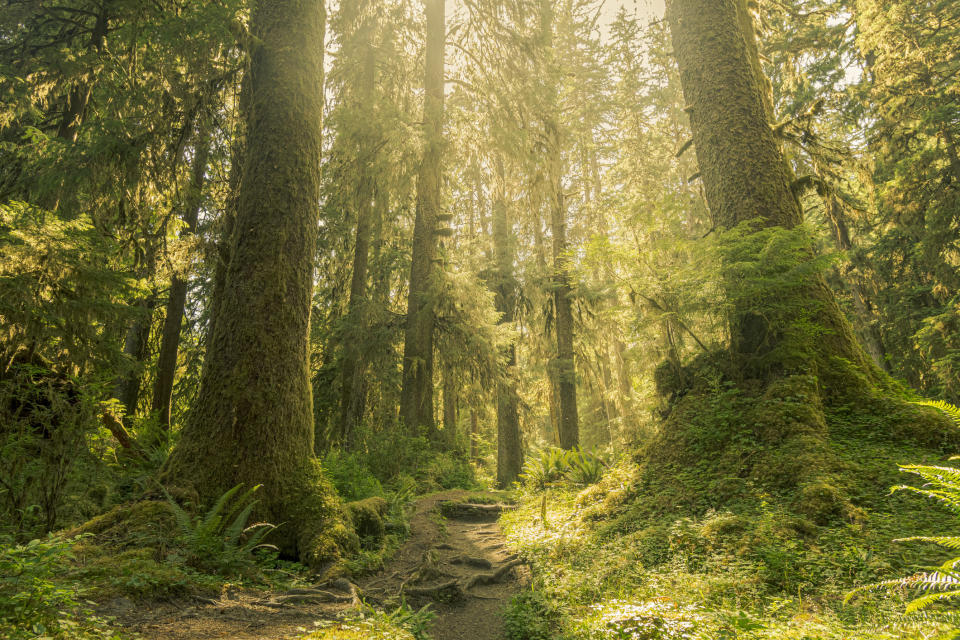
column 237, row 504
column 237, row 527
column 949, row 409
column 260, row 531
column 948, row 542
column 180, row 515
column 933, row 472
column 926, row 600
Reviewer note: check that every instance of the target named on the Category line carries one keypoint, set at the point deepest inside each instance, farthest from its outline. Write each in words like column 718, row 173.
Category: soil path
column 455, row 560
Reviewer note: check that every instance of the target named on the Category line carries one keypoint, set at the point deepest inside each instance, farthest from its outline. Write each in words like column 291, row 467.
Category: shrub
column 32, row 604
column 351, row 475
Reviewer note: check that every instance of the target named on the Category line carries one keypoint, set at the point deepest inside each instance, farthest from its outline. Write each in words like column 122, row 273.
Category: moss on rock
column 367, row 517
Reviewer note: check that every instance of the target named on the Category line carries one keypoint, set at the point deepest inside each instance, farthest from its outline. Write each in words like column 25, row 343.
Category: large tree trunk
column 569, row 427
column 227, row 222
column 416, row 398
column 353, row 388
column 176, row 302
column 509, row 446
column 253, row 419
column 744, row 174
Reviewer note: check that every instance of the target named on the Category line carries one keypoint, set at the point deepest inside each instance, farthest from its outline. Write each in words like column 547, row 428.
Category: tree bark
column 253, row 419
column 569, row 427
column 744, row 174
column 450, row 402
column 509, row 445
column 474, row 435
column 227, row 222
column 416, row 398
column 127, row 387
column 352, row 385
column 176, row 302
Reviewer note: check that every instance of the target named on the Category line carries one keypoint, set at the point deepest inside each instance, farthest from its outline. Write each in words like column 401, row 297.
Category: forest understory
column 486, row 319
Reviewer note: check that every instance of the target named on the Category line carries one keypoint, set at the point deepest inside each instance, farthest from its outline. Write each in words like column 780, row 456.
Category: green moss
column 138, row 524
column 138, row 573
column 367, row 517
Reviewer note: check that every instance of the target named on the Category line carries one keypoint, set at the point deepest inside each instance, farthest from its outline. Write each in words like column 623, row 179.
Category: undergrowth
column 33, row 604
column 706, row 554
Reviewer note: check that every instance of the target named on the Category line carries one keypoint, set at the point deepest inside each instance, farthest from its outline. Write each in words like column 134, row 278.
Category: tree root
column 315, row 595
column 491, row 578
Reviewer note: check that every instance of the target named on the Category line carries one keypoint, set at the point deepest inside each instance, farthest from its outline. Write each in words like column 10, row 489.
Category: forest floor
column 455, row 560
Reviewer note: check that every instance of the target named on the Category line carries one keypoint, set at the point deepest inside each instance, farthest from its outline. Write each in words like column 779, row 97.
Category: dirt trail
column 457, row 563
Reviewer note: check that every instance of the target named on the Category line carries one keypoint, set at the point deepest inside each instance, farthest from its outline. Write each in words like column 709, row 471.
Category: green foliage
column 369, row 623
column 544, row 469
column 220, row 541
column 946, row 407
column 33, row 603
column 62, row 298
column 584, row 468
column 62, row 289
column 529, row 616
column 937, row 597
column 555, row 465
column 351, row 475
column 415, row 621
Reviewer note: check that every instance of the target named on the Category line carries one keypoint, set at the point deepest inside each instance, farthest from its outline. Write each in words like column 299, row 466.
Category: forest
column 480, row 319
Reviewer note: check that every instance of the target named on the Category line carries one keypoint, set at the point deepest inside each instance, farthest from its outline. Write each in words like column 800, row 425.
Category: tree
column 509, row 445
column 353, row 388
column 177, row 298
column 747, row 181
column 553, row 143
column 253, row 418
column 416, row 397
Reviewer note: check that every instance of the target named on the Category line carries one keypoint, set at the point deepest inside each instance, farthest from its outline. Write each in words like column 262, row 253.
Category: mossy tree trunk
column 353, row 389
column 566, row 372
column 252, row 422
column 744, row 174
column 509, row 446
column 416, row 397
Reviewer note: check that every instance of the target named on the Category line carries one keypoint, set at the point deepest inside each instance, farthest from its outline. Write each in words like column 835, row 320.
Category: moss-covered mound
column 818, row 453
column 367, row 517
column 757, row 506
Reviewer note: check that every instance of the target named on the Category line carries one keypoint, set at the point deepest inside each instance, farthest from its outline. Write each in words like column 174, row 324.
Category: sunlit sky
column 650, row 9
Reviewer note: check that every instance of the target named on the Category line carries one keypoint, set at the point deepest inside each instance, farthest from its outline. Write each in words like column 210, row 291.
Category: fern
column 952, row 411
column 584, row 467
column 554, row 465
column 933, row 585
column 220, row 540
